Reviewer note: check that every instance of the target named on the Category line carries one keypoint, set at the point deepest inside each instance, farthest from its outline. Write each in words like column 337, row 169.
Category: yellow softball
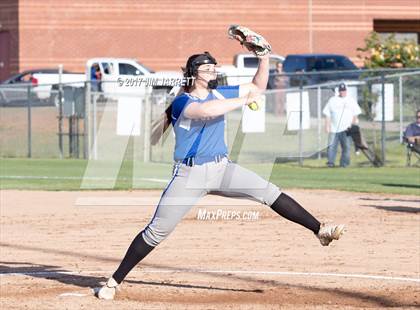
column 253, row 106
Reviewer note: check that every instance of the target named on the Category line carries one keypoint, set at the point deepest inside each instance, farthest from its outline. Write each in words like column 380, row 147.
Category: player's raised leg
column 241, row 182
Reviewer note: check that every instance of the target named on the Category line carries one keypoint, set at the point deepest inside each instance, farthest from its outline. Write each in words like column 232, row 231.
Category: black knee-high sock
column 136, row 252
column 290, row 209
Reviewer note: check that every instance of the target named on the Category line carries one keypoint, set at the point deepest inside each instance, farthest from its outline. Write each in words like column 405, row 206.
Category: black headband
column 197, row 60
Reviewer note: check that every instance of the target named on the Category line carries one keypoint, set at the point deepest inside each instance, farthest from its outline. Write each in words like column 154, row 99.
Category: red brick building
column 161, row 34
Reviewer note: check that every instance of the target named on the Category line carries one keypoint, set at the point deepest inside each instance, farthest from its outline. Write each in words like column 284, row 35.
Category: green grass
column 67, row 174
column 54, row 174
column 374, row 180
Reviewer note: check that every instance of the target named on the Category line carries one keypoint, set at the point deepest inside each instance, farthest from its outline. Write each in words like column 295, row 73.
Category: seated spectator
column 412, row 134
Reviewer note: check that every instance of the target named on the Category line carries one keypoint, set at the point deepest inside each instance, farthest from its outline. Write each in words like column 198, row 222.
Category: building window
column 403, row 29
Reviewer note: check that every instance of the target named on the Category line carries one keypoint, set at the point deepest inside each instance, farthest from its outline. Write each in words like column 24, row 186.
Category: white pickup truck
column 123, row 75
column 118, row 75
column 244, row 68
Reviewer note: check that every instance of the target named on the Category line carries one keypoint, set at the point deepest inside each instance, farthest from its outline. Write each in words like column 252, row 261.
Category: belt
column 191, row 161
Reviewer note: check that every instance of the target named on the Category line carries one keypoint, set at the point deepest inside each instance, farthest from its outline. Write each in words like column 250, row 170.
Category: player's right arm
column 327, row 113
column 327, row 125
column 214, row 108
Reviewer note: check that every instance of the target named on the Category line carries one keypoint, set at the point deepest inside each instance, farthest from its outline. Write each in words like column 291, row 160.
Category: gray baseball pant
column 190, row 183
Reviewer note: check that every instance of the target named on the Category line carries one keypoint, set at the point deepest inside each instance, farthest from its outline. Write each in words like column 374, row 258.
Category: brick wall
column 162, row 34
column 9, row 22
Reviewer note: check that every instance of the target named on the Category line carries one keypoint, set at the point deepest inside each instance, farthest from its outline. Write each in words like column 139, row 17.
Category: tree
column 389, row 53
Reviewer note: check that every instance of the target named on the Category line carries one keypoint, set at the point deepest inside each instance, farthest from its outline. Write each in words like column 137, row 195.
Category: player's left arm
column 260, row 80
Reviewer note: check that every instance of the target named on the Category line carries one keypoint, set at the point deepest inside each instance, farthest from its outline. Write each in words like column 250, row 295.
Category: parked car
column 244, row 68
column 117, row 76
column 26, row 76
column 14, row 90
column 319, row 68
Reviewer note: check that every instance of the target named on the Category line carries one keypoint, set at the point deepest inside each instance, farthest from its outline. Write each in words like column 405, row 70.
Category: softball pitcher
column 202, row 165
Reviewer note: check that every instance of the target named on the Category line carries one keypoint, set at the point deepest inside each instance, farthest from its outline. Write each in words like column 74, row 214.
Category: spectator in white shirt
column 341, row 112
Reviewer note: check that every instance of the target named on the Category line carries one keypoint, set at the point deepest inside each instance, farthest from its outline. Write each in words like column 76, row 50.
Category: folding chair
column 413, row 152
column 360, row 144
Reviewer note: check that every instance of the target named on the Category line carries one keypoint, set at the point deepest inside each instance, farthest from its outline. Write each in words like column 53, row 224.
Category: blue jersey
column 412, row 130
column 199, row 138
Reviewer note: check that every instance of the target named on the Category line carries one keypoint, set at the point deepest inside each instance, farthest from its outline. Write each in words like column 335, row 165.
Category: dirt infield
column 56, row 246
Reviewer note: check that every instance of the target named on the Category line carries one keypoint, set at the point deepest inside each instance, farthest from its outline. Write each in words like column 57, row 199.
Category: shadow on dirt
column 395, row 208
column 345, row 296
column 401, row 185
column 390, row 199
column 61, row 275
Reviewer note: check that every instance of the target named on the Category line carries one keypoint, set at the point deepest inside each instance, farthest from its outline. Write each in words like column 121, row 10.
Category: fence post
column 400, row 95
column 94, row 127
column 60, row 112
column 147, row 125
column 71, row 149
column 86, row 124
column 300, row 120
column 77, row 137
column 319, row 120
column 29, row 122
column 383, row 132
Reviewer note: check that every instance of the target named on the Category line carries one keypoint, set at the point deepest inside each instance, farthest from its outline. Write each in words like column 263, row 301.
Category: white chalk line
column 45, row 177
column 244, row 272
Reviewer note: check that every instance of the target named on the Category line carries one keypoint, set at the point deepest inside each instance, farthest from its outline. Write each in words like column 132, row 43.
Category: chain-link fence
column 42, row 123
column 72, row 121
column 291, row 124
